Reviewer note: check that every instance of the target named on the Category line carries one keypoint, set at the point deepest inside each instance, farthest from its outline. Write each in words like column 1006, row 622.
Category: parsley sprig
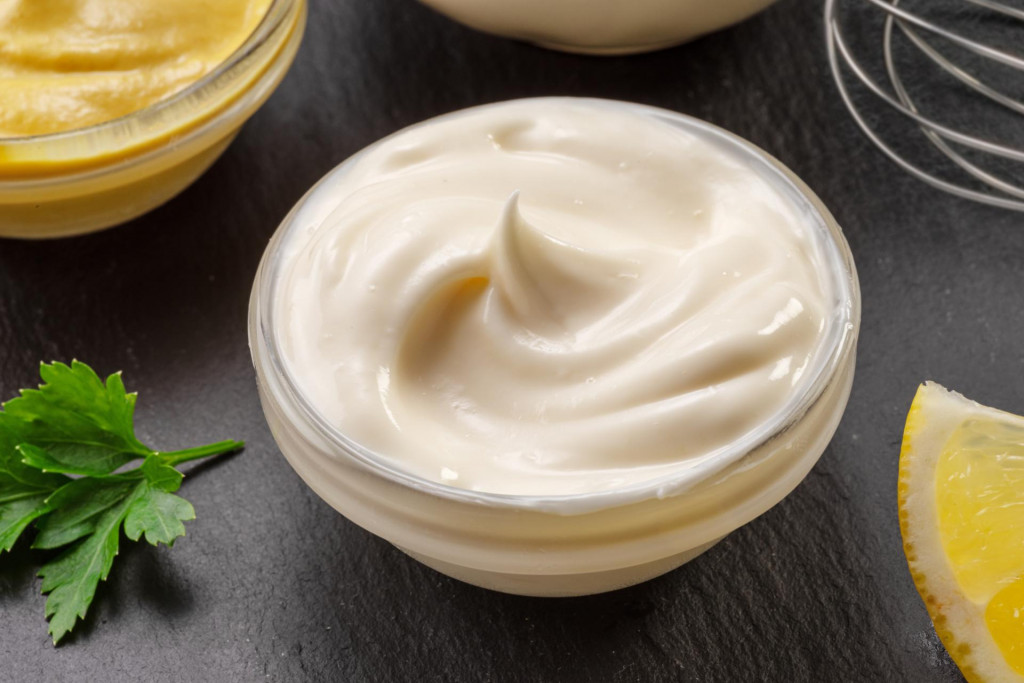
column 64, row 454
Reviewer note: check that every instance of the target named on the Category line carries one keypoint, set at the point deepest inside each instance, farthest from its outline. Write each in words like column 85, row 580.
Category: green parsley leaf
column 84, row 425
column 77, row 509
column 161, row 475
column 72, row 578
column 23, row 490
column 16, row 513
column 158, row 515
column 64, row 448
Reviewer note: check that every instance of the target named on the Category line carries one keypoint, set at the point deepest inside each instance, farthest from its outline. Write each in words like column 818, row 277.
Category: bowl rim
column 151, row 121
column 835, row 349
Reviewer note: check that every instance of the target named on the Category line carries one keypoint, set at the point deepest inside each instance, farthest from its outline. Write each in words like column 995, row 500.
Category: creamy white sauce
column 601, row 26
column 549, row 298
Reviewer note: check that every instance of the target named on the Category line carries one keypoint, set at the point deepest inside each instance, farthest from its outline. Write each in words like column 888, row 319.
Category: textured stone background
column 271, row 583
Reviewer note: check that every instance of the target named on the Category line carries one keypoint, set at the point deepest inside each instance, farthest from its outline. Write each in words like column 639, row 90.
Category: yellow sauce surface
column 67, row 64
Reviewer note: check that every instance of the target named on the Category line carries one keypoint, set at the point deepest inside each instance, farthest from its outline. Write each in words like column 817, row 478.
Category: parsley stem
column 221, row 447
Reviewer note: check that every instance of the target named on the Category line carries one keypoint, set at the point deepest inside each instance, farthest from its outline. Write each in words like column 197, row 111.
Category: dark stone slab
column 270, row 583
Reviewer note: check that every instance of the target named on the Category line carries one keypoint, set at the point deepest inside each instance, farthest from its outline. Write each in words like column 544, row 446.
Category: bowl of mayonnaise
column 555, row 346
column 600, row 27
column 109, row 110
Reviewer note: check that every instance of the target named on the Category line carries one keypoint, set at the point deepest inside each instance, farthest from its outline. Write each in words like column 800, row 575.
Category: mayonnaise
column 550, row 298
column 67, row 64
column 600, row 26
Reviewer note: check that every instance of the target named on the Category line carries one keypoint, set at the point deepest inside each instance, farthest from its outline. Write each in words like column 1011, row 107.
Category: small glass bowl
column 605, row 28
column 574, row 544
column 91, row 178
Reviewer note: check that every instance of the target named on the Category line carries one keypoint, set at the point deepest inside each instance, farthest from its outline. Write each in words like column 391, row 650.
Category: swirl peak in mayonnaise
column 548, row 298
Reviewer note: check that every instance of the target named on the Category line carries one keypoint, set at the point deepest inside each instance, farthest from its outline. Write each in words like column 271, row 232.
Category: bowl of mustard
column 109, row 108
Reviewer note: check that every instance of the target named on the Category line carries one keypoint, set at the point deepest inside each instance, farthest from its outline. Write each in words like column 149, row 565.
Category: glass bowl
column 571, row 544
column 91, row 178
column 612, row 27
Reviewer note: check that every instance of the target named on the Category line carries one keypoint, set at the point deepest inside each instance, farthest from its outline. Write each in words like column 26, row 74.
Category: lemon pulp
column 979, row 486
column 962, row 516
column 1005, row 619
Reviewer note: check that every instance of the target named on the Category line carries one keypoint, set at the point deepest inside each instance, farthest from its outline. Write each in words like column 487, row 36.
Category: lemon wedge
column 961, row 503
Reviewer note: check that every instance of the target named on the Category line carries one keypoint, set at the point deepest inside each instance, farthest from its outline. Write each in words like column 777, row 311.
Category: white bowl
column 607, row 27
column 572, row 544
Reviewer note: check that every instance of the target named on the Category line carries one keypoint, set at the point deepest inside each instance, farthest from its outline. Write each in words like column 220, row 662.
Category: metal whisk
column 925, row 35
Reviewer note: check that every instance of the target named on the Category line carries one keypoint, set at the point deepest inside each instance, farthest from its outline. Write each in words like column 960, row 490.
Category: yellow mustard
column 67, row 64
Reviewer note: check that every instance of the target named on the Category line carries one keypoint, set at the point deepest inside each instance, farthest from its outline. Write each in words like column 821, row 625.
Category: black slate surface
column 270, row 583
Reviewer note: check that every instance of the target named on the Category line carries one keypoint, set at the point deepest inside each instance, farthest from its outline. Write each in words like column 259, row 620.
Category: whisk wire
column 938, row 134
column 999, row 7
column 956, row 72
column 904, row 96
column 974, row 46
